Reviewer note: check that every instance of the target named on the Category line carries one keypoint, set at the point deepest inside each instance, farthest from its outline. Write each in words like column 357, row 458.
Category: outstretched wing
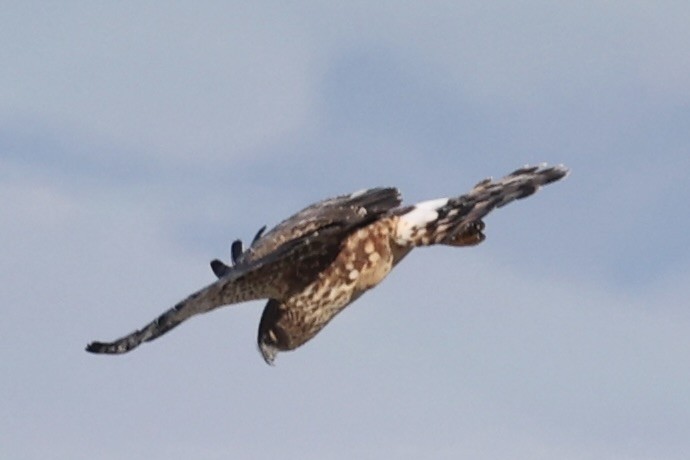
column 451, row 220
column 293, row 254
column 288, row 269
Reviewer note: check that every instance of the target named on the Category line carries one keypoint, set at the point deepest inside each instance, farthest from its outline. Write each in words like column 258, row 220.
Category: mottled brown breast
column 366, row 257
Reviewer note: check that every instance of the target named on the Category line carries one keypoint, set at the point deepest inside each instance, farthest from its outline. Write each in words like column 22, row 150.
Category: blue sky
column 138, row 140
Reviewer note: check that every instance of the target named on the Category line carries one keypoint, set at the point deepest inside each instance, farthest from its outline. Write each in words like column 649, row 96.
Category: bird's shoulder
column 334, row 218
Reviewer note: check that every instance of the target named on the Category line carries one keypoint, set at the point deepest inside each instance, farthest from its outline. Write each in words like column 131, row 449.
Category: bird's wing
column 288, row 268
column 345, row 210
column 448, row 220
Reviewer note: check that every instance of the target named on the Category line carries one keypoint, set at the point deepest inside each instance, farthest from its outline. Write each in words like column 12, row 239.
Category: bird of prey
column 315, row 263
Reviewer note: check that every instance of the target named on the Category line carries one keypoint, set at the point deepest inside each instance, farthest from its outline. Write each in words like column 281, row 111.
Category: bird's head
column 268, row 350
column 271, row 338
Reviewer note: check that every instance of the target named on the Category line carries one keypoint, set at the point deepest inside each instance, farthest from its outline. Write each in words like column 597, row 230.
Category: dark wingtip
column 258, row 234
column 96, row 347
column 219, row 268
column 236, row 251
column 115, row 348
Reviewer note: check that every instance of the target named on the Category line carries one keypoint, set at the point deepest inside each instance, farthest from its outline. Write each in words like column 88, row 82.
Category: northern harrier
column 315, row 263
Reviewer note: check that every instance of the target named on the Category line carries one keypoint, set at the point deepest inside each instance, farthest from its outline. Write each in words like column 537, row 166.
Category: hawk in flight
column 315, row 263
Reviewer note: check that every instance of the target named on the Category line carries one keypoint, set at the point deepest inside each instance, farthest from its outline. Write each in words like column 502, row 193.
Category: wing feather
column 345, row 210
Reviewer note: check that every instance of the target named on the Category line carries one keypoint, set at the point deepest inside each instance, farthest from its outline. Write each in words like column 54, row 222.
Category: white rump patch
column 419, row 216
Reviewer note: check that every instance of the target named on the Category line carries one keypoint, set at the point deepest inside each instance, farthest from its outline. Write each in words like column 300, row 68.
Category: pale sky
column 137, row 140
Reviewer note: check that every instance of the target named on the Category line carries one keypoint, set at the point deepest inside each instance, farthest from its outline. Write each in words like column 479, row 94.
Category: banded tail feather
column 451, row 220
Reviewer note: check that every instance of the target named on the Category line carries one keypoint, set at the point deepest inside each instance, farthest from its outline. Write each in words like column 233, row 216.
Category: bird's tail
column 457, row 221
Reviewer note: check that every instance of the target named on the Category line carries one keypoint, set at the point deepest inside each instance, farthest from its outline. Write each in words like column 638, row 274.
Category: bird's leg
column 470, row 235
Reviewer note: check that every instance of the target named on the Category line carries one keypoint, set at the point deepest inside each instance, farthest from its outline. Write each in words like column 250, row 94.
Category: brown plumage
column 318, row 261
